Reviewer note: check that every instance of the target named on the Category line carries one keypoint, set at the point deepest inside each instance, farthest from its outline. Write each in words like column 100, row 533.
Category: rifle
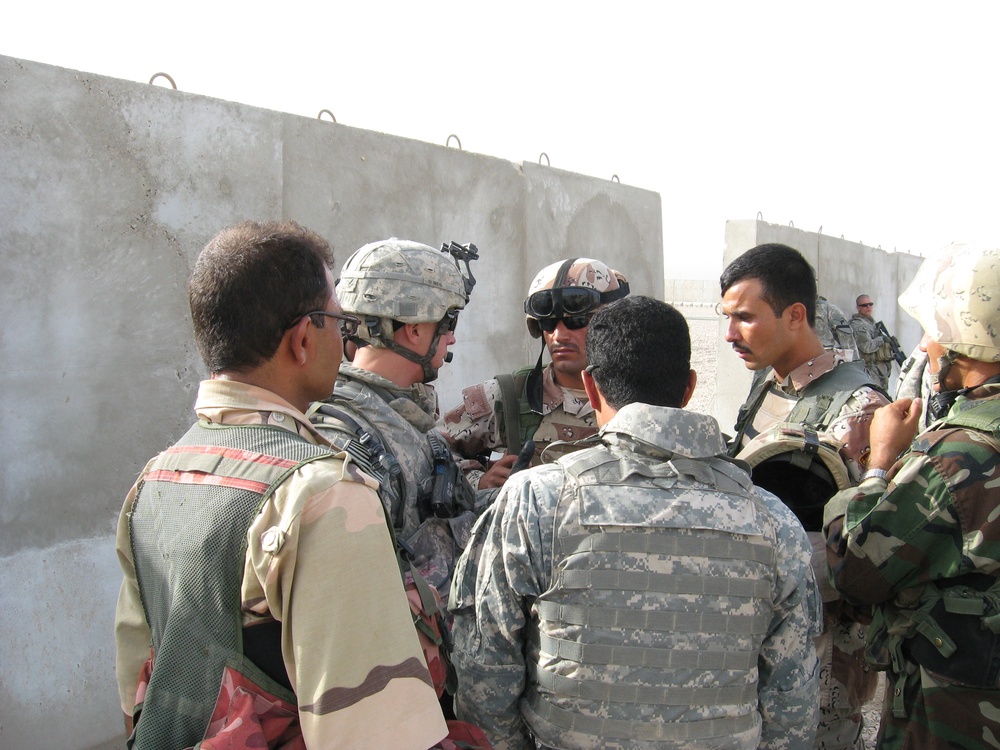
column 897, row 353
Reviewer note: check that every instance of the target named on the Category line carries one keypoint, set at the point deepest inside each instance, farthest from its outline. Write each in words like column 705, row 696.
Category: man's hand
column 893, row 428
column 498, row 472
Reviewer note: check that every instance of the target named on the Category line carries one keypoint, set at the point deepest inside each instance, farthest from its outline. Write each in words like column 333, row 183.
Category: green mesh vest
column 188, row 529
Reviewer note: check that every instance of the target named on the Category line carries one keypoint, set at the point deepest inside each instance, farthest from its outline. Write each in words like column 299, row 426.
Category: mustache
column 741, row 349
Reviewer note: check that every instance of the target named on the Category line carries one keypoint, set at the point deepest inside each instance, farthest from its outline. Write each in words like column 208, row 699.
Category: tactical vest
column 817, row 406
column 951, row 630
column 187, row 528
column 517, row 422
column 639, row 595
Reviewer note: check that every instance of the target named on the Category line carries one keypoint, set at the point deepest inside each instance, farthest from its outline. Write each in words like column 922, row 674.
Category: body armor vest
column 188, row 527
column 638, row 594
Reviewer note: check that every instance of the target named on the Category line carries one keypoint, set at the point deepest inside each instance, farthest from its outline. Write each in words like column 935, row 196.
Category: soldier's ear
column 689, row 391
column 796, row 313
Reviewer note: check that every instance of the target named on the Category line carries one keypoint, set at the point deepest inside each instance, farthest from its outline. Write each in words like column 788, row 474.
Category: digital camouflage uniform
column 402, row 422
column 318, row 545
column 472, row 428
column 639, row 594
column 834, row 330
column 875, row 350
column 846, row 680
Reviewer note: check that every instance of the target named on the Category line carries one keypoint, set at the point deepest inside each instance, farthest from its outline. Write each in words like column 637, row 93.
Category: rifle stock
column 897, row 352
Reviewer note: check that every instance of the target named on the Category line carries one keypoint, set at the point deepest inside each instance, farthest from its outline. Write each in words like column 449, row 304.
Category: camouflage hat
column 801, row 466
column 955, row 296
column 400, row 280
column 594, row 282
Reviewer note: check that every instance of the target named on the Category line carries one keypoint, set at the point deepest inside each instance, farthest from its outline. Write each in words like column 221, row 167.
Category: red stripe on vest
column 235, row 453
column 200, row 477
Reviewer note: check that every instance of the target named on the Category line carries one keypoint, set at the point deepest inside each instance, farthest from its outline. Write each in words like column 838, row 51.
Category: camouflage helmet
column 955, row 296
column 592, row 282
column 801, row 466
column 400, row 280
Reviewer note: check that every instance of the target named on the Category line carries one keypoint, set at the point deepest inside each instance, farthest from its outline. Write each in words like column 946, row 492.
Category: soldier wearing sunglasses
column 541, row 404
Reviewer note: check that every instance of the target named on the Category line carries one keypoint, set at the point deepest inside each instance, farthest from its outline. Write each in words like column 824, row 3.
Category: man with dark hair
column 247, row 545
column 640, row 593
column 819, row 407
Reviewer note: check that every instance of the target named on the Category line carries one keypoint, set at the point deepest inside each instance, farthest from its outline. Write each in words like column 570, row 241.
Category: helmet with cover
column 406, row 282
column 955, row 296
column 571, row 290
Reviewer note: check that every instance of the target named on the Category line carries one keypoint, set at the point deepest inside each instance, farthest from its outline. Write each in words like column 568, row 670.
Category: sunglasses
column 448, row 323
column 562, row 302
column 572, row 322
column 348, row 323
column 867, row 304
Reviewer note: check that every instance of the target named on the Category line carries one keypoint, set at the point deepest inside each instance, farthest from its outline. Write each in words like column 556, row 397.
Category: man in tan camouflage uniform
column 640, row 593
column 546, row 405
column 875, row 350
column 408, row 297
column 919, row 538
column 768, row 295
column 253, row 554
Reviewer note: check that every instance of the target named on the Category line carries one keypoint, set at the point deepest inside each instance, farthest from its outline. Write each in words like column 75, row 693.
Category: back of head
column 571, row 287
column 784, row 274
column 955, row 296
column 249, row 284
column 639, row 351
column 399, row 280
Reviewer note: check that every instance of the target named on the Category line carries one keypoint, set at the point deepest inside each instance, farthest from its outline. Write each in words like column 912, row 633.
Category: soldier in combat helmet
column 919, row 538
column 541, row 405
column 640, row 593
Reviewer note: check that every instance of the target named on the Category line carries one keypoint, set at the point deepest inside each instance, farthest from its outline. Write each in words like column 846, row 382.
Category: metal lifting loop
column 165, row 75
column 614, row 178
column 760, row 216
column 791, row 224
column 547, row 162
column 326, row 112
column 459, row 140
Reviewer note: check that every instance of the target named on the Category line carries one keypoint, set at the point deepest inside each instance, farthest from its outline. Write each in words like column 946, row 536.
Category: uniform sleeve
column 852, row 426
column 133, row 639
column 471, row 427
column 489, row 637
column 323, row 562
column 931, row 521
column 867, row 343
column 788, row 690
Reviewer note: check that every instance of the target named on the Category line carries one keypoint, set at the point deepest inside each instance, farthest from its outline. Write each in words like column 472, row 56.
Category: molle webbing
column 188, row 527
column 635, row 656
column 682, row 546
column 637, row 619
column 614, row 692
column 519, row 420
column 647, row 731
column 665, row 584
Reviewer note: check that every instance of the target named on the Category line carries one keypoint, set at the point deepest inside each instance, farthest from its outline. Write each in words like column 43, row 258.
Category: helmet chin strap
column 945, row 361
column 424, row 360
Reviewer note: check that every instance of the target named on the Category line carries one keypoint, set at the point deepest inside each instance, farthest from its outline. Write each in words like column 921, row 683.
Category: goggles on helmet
column 562, row 302
column 572, row 322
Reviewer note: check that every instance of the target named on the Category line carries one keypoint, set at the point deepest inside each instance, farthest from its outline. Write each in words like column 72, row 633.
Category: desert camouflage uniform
column 726, row 638
column 402, row 423
column 834, row 330
column 846, row 680
column 874, row 348
column 472, row 429
column 319, row 541
column 934, row 522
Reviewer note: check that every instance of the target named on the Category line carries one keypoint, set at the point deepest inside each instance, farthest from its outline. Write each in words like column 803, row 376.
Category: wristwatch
column 874, row 473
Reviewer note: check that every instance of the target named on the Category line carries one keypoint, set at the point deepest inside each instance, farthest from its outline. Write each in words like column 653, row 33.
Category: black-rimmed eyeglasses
column 348, row 323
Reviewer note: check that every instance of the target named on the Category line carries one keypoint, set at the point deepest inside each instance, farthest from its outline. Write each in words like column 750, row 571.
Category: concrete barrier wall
column 844, row 271
column 109, row 190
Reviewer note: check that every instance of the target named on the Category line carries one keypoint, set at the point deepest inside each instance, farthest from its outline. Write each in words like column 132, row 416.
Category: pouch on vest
column 801, row 466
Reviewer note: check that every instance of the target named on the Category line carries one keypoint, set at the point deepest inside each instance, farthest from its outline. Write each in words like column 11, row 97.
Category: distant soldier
column 536, row 404
column 919, row 538
column 834, row 329
column 639, row 593
column 875, row 348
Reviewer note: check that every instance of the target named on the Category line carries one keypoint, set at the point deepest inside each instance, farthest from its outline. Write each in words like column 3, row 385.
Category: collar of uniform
column 232, row 403
column 807, row 373
column 572, row 401
column 680, row 432
column 422, row 394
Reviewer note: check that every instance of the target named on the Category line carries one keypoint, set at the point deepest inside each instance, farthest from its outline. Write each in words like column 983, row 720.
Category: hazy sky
column 875, row 120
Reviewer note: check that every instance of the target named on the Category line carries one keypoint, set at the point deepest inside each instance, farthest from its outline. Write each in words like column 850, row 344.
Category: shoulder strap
column 510, row 432
column 747, row 412
column 984, row 417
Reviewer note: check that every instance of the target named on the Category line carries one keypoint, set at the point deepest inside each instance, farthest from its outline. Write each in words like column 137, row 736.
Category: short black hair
column 249, row 284
column 784, row 275
column 639, row 351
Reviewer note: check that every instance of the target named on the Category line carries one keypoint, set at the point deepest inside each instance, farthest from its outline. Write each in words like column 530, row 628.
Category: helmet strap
column 533, row 383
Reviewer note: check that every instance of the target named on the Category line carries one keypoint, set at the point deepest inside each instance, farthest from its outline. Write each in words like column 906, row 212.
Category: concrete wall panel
column 109, row 191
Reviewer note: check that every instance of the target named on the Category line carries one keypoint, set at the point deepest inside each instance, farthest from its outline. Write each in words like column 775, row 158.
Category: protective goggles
column 562, row 302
